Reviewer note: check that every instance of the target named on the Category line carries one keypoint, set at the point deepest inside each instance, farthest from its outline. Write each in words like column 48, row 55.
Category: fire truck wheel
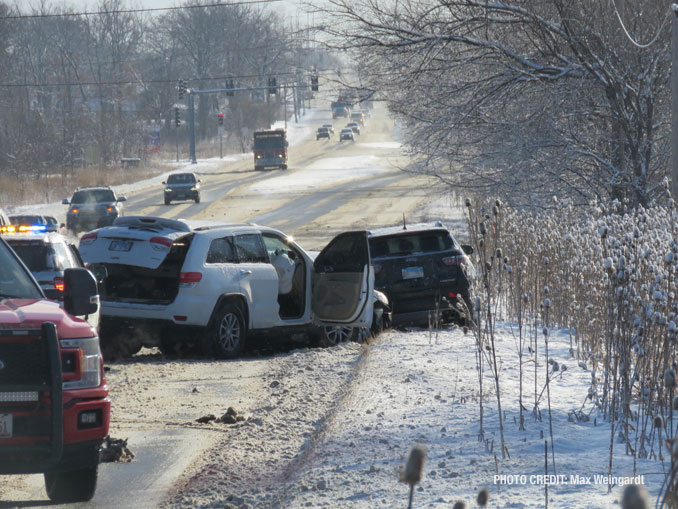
column 73, row 486
column 284, row 166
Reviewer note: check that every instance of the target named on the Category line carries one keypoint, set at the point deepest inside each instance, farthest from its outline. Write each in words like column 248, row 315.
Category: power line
column 142, row 81
column 125, row 11
column 635, row 43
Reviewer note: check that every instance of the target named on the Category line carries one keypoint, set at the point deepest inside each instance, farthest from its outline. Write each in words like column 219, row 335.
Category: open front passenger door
column 343, row 282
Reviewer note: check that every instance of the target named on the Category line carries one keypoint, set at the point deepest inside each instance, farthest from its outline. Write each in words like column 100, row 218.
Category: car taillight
column 452, row 260
column 88, row 238
column 110, row 209
column 160, row 243
column 189, row 278
column 81, row 363
column 452, row 294
column 59, row 283
column 74, row 210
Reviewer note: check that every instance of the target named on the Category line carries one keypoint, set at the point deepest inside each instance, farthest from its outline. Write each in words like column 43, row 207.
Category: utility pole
column 674, row 102
column 191, row 126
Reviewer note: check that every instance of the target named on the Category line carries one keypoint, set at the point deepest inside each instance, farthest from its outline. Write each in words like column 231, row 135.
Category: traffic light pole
column 191, row 126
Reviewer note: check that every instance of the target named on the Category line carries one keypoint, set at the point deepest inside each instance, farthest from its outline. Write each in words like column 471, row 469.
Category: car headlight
column 194, row 189
column 258, row 156
column 168, row 190
column 81, row 363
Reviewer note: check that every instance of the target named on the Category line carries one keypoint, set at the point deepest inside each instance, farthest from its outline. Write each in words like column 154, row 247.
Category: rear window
column 96, row 196
column 418, row 242
column 40, row 257
column 26, row 219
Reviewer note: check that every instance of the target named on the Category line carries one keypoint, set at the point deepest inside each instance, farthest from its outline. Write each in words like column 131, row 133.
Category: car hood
column 31, row 313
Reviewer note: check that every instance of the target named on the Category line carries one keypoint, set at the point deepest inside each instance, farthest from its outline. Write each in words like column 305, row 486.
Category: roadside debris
column 116, row 450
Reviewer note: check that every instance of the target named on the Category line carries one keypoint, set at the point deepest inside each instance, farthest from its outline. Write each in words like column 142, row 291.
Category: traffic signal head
column 314, row 83
column 229, row 85
column 180, row 88
column 272, row 86
column 221, row 119
column 177, row 118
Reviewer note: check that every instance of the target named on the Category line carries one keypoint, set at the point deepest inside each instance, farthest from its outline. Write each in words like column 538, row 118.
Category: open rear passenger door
column 343, row 282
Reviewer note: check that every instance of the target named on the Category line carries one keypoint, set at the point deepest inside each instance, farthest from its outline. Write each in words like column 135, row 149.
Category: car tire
column 226, row 333
column 335, row 335
column 197, row 199
column 72, row 486
column 258, row 168
column 284, row 166
column 167, row 201
column 115, row 343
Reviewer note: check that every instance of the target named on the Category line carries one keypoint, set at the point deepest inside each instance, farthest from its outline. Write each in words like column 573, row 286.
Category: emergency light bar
column 24, row 228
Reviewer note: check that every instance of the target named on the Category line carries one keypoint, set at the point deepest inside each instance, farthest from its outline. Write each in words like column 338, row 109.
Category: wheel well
column 237, row 300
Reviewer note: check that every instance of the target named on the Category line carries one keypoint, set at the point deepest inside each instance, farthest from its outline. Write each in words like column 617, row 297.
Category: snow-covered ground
column 421, row 387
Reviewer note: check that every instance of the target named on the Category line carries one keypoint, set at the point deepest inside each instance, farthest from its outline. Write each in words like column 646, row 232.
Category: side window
column 251, row 249
column 221, row 251
column 64, row 256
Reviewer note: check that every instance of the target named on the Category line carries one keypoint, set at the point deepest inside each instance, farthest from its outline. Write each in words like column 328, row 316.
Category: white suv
column 174, row 284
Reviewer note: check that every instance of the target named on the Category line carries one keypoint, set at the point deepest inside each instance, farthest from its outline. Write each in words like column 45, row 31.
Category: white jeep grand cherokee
column 178, row 284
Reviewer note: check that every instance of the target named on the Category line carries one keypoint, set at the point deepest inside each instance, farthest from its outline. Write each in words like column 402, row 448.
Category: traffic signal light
column 177, row 118
column 229, row 85
column 221, row 118
column 182, row 86
column 272, row 86
column 314, row 83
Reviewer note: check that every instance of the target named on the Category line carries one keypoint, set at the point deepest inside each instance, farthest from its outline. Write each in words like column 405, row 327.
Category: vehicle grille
column 25, row 361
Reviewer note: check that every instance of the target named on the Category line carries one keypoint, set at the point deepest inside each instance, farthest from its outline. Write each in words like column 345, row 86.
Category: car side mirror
column 80, row 292
column 122, row 198
column 467, row 249
column 199, row 180
column 164, row 183
column 65, row 201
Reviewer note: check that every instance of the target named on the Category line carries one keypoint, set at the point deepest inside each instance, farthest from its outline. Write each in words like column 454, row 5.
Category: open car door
column 343, row 283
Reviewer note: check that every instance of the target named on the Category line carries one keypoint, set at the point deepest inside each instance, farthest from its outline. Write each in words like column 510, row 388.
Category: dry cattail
column 481, row 227
column 670, row 379
column 658, row 422
column 635, row 497
column 468, row 202
column 675, row 403
column 459, row 505
column 414, row 466
column 483, row 497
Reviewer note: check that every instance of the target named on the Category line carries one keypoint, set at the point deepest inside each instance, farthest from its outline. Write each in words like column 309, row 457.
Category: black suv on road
column 424, row 272
column 182, row 186
column 92, row 207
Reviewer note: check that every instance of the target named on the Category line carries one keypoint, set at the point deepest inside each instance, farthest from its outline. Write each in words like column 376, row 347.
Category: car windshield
column 94, row 196
column 323, row 129
column 415, row 242
column 15, row 282
column 269, row 141
column 51, row 220
column 181, row 178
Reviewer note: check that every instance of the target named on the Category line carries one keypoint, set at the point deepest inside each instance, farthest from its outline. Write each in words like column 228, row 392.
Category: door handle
column 245, row 272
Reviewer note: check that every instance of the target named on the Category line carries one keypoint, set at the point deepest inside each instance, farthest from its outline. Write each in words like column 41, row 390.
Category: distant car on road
column 354, row 126
column 92, row 207
column 330, row 127
column 346, row 134
column 425, row 274
column 359, row 117
column 182, row 186
column 323, row 132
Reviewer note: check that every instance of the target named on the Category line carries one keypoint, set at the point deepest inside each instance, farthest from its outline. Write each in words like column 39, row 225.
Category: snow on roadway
column 324, row 173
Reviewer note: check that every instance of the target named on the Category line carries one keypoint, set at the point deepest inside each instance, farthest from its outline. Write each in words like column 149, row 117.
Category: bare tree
column 538, row 97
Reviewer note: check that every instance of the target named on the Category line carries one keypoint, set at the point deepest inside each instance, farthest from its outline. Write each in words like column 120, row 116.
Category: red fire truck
column 270, row 149
column 54, row 405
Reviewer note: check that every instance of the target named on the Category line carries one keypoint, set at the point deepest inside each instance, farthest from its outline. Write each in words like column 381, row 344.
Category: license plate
column 120, row 245
column 5, row 425
column 413, row 272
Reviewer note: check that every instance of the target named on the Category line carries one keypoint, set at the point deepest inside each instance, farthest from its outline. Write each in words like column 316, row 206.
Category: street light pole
column 674, row 102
